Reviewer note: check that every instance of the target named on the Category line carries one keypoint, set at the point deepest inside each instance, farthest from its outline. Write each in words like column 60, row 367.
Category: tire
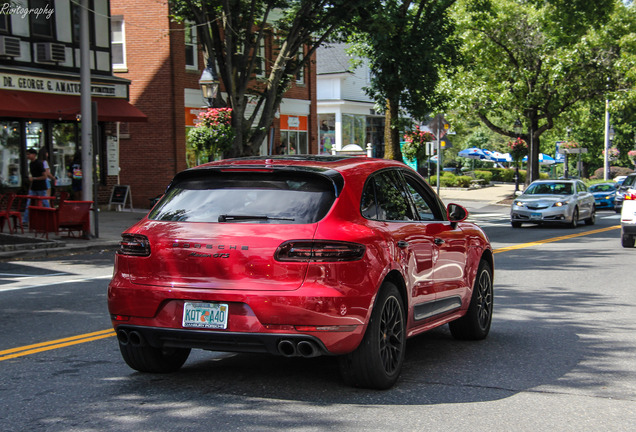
column 377, row 362
column 627, row 241
column 516, row 224
column 575, row 218
column 592, row 219
column 475, row 325
column 144, row 358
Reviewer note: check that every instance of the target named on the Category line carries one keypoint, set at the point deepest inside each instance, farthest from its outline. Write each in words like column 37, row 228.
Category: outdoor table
column 37, row 202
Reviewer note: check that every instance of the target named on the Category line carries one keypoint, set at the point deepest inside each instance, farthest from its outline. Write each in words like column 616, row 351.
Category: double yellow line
column 88, row 337
column 554, row 239
column 54, row 344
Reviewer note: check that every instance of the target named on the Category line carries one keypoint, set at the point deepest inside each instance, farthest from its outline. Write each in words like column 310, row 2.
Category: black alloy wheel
column 475, row 325
column 377, row 362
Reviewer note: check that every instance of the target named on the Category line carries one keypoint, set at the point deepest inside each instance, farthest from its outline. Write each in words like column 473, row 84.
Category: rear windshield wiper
column 230, row 218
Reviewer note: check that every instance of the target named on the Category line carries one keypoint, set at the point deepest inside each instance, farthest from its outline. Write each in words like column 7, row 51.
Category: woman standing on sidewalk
column 43, row 156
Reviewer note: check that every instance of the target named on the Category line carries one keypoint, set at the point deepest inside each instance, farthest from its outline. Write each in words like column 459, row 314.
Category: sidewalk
column 110, row 226
column 112, row 223
column 493, row 194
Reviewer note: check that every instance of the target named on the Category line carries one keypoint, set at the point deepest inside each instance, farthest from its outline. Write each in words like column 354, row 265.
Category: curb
column 52, row 251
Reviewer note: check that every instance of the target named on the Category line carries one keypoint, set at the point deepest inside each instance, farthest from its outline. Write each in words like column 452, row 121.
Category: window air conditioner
column 47, row 52
column 9, row 46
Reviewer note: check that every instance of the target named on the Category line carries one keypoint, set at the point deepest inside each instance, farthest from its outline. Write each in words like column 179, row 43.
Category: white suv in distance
column 628, row 219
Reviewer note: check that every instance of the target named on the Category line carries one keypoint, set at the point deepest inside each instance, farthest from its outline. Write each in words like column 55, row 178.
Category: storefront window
column 34, row 135
column 327, row 132
column 354, row 129
column 375, row 135
column 10, row 175
column 293, row 142
column 64, row 151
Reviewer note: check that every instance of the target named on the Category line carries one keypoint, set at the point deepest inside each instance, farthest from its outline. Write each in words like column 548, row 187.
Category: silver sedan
column 554, row 201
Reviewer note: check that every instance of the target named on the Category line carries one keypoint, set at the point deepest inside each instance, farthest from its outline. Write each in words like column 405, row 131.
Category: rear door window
column 250, row 197
column 385, row 199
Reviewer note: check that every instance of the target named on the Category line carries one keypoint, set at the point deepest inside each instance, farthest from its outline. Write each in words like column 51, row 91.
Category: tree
column 532, row 61
column 232, row 34
column 406, row 43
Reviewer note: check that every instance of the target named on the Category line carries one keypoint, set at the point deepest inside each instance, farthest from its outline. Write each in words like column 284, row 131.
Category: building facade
column 40, row 90
column 163, row 62
column 345, row 113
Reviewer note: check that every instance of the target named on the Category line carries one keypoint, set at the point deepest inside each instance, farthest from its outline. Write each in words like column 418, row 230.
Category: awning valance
column 32, row 105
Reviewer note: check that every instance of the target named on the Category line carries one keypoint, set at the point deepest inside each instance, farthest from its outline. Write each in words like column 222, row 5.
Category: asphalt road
column 560, row 355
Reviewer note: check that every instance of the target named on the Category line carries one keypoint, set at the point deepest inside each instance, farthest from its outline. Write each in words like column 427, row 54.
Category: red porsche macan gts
column 299, row 256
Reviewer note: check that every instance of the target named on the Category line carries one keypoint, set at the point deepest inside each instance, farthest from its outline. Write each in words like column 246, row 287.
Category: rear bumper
column 289, row 345
column 334, row 317
column 629, row 229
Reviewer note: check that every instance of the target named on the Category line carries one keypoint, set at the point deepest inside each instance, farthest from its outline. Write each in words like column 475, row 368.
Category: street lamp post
column 209, row 83
column 565, row 159
column 517, row 127
column 610, row 137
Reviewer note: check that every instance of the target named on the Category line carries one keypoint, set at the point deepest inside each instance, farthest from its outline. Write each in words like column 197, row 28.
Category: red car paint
column 237, row 263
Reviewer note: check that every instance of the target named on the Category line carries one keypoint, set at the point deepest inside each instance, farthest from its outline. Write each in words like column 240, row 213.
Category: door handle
column 439, row 241
column 403, row 244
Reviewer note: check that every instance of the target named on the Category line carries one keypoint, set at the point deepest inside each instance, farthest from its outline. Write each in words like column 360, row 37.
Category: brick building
column 163, row 63
column 40, row 90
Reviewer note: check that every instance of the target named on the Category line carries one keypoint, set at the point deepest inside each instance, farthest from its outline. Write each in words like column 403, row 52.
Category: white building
column 346, row 115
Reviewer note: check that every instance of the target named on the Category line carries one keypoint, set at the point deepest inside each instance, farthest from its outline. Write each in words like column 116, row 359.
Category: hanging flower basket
column 213, row 133
column 414, row 147
column 612, row 154
column 518, row 149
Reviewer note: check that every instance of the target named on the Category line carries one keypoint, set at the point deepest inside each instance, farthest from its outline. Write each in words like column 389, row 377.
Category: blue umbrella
column 472, row 153
column 498, row 157
column 544, row 159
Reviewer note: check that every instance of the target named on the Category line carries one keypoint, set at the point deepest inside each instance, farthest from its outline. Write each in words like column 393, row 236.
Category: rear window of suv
column 629, row 180
column 250, row 197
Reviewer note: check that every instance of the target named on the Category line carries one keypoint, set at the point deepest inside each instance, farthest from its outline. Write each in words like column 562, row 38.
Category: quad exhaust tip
column 304, row 348
column 133, row 338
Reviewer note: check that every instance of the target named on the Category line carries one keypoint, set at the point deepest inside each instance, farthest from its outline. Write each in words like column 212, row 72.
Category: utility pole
column 86, row 122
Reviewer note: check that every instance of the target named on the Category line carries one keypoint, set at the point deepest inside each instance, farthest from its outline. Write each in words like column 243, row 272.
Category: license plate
column 535, row 216
column 205, row 315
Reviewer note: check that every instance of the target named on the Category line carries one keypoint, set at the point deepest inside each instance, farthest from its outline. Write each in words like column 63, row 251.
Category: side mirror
column 518, row 193
column 456, row 213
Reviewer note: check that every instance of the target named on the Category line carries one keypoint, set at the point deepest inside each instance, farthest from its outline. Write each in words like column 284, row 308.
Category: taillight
column 319, row 250
column 134, row 244
column 630, row 196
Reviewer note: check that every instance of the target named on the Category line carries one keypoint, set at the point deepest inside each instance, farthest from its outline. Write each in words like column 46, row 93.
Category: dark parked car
column 299, row 256
column 625, row 186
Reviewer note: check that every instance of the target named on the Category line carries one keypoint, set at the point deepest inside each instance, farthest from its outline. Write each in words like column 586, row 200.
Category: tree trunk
column 392, row 131
column 533, row 153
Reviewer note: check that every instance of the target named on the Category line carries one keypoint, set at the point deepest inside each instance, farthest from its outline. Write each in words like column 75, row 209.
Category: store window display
column 10, row 173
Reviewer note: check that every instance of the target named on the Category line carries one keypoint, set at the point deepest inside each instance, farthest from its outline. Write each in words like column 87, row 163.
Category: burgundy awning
column 22, row 104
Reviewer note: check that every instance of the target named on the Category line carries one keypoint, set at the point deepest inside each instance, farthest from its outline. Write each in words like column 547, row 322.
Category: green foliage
column 484, row 175
column 536, row 60
column 231, row 34
column 463, row 181
column 504, row 175
column 406, row 43
column 451, row 180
